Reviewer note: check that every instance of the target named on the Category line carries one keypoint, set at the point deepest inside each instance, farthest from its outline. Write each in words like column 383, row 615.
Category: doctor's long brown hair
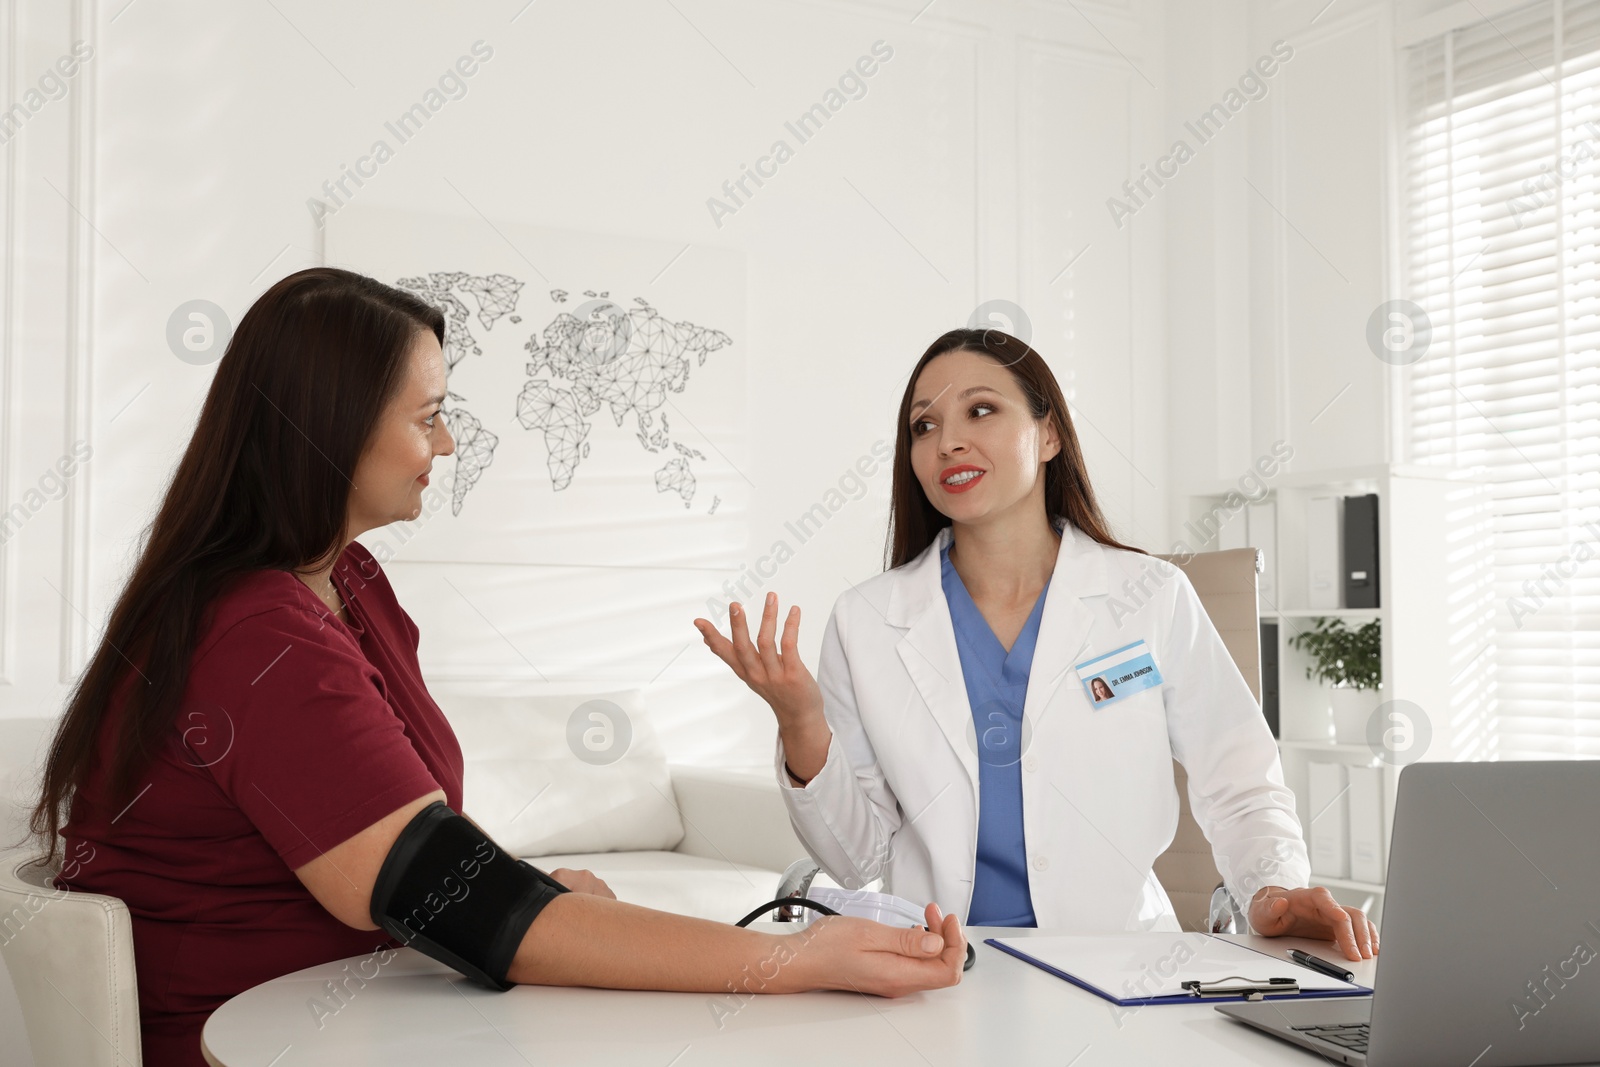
column 913, row 520
column 264, row 483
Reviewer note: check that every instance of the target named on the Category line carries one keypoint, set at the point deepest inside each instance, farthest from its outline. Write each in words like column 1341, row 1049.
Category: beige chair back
column 1226, row 584
column 71, row 960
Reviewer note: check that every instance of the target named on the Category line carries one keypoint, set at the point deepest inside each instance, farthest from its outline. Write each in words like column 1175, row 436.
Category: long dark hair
column 913, row 520
column 264, row 483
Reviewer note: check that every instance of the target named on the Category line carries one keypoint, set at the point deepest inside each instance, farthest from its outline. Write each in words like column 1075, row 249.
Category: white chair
column 71, row 960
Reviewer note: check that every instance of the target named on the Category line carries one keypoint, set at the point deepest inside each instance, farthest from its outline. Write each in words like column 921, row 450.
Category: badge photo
column 1118, row 674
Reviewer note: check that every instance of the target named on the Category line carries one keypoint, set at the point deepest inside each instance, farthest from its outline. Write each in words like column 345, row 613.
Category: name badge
column 1117, row 674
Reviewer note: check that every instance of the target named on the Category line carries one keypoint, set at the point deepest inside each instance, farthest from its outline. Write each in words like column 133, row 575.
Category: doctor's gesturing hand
column 777, row 675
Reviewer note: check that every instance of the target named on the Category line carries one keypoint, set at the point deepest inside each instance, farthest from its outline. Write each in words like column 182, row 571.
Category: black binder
column 1360, row 563
column 1269, row 674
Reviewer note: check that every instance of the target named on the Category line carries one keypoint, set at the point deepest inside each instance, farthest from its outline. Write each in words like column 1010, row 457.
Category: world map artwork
column 597, row 355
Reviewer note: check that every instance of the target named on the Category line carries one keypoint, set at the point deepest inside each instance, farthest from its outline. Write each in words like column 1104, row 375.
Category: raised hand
column 774, row 672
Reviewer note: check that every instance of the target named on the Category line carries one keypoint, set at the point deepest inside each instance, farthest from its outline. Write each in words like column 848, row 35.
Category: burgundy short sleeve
column 316, row 754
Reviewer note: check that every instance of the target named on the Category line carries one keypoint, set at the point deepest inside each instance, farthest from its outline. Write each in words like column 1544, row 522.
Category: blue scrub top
column 997, row 683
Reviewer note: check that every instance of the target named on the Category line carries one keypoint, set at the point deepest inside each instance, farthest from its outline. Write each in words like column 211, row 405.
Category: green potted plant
column 1352, row 662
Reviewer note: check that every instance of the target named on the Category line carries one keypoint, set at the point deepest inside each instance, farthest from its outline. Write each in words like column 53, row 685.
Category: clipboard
column 1136, row 969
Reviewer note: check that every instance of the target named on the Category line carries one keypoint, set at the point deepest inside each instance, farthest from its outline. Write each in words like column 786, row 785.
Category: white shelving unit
column 1417, row 509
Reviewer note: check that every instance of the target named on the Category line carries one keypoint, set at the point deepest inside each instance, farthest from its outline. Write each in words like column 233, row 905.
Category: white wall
column 178, row 164
column 191, row 141
column 1278, row 251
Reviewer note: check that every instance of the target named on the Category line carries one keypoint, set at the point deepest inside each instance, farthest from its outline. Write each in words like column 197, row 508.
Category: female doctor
column 998, row 712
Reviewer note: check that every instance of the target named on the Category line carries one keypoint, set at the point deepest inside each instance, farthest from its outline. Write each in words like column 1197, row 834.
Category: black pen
column 1332, row 970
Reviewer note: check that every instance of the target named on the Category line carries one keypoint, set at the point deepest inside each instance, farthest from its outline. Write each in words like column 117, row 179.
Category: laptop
column 1490, row 948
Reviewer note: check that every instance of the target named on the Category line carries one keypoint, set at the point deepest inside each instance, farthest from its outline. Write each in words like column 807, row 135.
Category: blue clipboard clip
column 1235, row 986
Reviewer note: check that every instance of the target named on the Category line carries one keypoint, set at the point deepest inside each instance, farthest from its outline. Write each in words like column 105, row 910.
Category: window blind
column 1501, row 188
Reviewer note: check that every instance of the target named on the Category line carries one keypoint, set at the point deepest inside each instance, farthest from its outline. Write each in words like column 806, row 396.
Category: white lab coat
column 898, row 795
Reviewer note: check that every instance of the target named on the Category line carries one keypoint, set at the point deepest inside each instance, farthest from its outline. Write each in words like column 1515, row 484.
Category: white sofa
column 735, row 845
column 709, row 843
column 579, row 779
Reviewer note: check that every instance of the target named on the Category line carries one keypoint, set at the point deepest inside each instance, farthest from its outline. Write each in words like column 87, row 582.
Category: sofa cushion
column 671, row 881
column 560, row 770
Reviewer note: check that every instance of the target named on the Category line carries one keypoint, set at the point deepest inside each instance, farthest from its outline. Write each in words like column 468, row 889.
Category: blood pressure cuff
column 448, row 891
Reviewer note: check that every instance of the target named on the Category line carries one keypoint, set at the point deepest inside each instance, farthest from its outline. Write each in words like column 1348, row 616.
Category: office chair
column 1226, row 585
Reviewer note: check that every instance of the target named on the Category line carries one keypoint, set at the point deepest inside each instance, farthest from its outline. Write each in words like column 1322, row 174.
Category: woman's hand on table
column 582, row 882
column 1313, row 913
column 841, row 952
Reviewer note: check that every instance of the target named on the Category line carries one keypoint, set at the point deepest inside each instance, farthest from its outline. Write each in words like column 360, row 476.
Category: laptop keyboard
column 1352, row 1036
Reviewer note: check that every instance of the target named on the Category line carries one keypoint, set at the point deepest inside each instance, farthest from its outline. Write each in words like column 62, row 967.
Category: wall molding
column 1413, row 31
column 1373, row 21
column 57, row 646
column 897, row 14
column 79, row 399
column 1347, row 22
column 9, row 404
column 1103, row 58
column 1130, row 11
column 1279, row 243
column 1121, row 92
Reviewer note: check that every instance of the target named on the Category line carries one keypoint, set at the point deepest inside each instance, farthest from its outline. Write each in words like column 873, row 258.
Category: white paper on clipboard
column 1139, row 966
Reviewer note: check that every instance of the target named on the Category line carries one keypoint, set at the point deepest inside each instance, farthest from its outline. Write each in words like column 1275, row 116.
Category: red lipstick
column 963, row 485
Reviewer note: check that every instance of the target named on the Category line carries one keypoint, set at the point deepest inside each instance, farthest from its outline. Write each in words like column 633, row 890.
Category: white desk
column 417, row 1011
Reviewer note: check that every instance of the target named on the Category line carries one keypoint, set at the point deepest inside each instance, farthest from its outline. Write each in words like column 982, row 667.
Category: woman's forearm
column 585, row 940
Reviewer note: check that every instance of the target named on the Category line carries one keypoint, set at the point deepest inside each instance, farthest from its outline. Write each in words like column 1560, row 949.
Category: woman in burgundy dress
column 253, row 732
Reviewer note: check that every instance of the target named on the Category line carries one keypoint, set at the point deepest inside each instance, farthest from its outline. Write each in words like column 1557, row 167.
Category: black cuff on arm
column 448, row 891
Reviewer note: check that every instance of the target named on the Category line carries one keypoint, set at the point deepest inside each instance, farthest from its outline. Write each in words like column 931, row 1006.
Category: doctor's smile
column 960, row 479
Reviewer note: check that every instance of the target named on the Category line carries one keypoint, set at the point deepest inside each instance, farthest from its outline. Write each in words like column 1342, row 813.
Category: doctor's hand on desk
column 775, row 672
column 1279, row 912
